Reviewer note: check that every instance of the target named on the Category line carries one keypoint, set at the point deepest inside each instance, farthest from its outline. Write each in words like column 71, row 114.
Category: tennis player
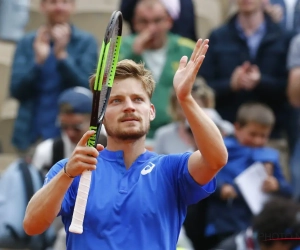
column 138, row 199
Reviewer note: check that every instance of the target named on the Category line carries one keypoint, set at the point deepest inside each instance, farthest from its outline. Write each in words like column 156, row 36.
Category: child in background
column 176, row 137
column 278, row 218
column 227, row 211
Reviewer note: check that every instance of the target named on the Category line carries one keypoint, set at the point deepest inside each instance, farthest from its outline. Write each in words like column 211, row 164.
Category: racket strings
column 103, row 100
column 108, row 72
column 111, row 54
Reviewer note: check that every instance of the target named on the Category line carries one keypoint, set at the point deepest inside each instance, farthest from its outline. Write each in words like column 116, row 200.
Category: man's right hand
column 42, row 45
column 141, row 41
column 83, row 157
column 228, row 192
column 275, row 11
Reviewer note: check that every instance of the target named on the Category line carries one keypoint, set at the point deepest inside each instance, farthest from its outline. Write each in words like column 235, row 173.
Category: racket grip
column 80, row 203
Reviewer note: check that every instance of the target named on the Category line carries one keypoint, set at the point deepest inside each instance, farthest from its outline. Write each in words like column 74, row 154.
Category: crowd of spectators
column 249, row 85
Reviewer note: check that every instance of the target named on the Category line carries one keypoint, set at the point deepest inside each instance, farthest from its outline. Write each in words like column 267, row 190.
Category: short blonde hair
column 128, row 68
column 258, row 113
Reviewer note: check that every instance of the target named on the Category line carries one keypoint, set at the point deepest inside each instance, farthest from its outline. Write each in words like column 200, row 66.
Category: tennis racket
column 104, row 79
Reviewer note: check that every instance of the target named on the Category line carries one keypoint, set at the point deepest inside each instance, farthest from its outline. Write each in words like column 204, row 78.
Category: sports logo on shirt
column 147, row 169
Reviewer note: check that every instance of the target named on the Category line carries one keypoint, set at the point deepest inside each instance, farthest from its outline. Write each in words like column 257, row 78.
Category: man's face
column 58, row 11
column 129, row 111
column 249, row 6
column 154, row 20
column 252, row 134
column 74, row 125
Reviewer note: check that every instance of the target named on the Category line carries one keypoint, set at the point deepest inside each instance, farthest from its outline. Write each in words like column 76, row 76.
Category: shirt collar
column 119, row 155
column 260, row 30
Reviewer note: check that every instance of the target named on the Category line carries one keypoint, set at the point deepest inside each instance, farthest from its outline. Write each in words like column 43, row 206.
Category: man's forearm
column 45, row 204
column 206, row 134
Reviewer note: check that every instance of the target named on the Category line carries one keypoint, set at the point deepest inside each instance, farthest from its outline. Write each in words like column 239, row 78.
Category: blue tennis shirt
column 139, row 208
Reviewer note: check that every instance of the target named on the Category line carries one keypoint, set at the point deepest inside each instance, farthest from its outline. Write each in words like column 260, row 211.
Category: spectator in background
column 246, row 62
column 227, row 211
column 279, row 218
column 14, row 15
column 56, row 57
column 293, row 93
column 176, row 137
column 159, row 49
column 181, row 11
column 75, row 107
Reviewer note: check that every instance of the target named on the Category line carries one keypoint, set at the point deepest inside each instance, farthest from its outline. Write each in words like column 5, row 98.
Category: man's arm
column 45, row 204
column 212, row 153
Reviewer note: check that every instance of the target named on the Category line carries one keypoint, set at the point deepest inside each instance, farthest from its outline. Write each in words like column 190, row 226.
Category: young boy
column 228, row 212
column 278, row 218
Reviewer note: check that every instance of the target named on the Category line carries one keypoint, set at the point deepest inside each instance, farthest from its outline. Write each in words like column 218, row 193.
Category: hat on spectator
column 76, row 100
column 173, row 7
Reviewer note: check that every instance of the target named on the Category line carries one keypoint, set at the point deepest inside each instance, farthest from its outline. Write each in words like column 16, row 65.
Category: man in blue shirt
column 246, row 63
column 138, row 199
column 253, row 125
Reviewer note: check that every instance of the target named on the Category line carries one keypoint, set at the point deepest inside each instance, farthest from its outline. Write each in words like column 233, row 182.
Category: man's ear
column 152, row 112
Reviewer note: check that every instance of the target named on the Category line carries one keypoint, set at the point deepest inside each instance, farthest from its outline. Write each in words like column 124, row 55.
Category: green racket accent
column 104, row 78
column 114, row 62
column 92, row 140
column 100, row 63
column 103, row 63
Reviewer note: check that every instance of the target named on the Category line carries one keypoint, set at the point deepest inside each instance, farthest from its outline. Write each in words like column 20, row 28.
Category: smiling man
column 138, row 199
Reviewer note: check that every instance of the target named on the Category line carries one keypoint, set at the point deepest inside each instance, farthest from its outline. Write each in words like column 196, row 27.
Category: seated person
column 228, row 212
column 160, row 50
column 176, row 137
column 75, row 107
column 279, row 217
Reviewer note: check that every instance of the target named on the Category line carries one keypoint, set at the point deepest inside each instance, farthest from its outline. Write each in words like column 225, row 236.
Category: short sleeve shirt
column 142, row 207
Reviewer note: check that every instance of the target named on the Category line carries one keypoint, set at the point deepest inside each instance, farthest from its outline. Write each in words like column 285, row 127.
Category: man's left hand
column 185, row 76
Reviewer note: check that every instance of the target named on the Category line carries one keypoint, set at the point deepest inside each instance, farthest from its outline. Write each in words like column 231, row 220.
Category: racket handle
column 80, row 203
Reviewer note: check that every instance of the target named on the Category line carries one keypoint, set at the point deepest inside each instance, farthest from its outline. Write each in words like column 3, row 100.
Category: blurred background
column 249, row 85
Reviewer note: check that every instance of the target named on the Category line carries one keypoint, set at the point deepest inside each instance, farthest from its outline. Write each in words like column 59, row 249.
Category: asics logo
column 147, row 169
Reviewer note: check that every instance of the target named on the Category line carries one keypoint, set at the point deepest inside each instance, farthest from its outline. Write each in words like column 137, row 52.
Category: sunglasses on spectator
column 155, row 21
column 75, row 127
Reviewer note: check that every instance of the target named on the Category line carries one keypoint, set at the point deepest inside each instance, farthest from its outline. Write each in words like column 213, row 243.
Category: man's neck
column 131, row 149
column 250, row 21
